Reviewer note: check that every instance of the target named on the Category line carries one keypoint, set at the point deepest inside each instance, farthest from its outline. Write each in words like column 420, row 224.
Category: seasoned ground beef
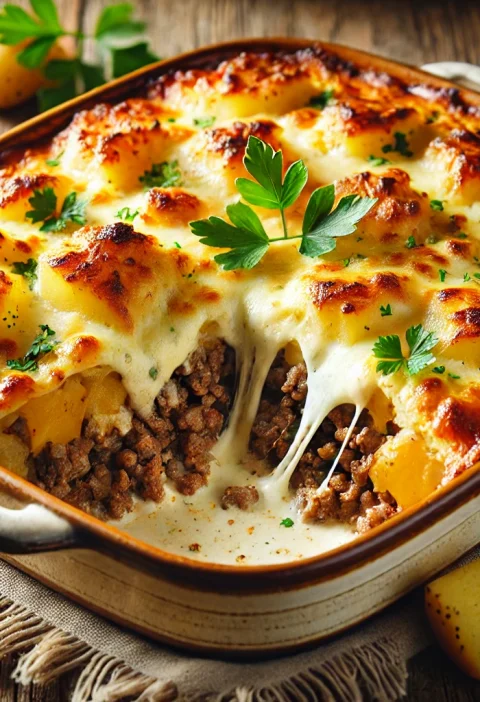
column 241, row 497
column 100, row 473
column 350, row 496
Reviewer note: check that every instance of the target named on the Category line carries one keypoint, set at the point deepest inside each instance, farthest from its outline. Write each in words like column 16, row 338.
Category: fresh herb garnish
column 53, row 162
column 204, row 122
column 386, row 311
column 41, row 345
column 44, row 203
column 389, row 350
column 432, row 239
column 177, row 245
column 441, row 274
column 246, row 236
column 116, row 33
column 378, row 160
column 126, row 215
column 436, row 205
column 466, row 277
column 321, row 100
column 287, row 522
column 28, row 270
column 453, row 376
column 346, row 262
column 400, row 144
column 461, row 235
column 162, row 175
column 153, row 373
column 439, row 370
column 411, row 243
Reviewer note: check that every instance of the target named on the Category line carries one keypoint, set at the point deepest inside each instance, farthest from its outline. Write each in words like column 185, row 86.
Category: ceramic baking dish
column 222, row 609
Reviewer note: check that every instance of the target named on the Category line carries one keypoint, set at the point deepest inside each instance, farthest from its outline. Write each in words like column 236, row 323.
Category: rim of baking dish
column 365, row 548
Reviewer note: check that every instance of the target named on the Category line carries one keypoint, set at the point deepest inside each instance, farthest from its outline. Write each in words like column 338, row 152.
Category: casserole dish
column 218, row 607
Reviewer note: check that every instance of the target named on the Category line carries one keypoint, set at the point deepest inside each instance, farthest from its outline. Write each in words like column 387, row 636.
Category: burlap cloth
column 54, row 635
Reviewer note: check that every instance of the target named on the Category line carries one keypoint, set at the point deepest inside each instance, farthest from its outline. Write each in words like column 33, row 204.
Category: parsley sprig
column 44, row 207
column 389, row 350
column 119, row 44
column 42, row 344
column 246, row 236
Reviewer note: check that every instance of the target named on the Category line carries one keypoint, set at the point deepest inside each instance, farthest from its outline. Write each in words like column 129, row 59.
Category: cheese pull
column 453, row 608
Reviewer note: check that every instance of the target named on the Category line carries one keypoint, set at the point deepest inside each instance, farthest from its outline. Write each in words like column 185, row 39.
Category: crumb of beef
column 273, row 431
column 241, row 497
column 99, row 473
column 20, row 428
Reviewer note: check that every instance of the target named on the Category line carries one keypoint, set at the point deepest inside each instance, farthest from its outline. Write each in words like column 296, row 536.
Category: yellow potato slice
column 453, row 608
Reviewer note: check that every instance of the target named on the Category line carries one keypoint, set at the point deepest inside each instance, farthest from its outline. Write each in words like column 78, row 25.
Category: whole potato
column 18, row 83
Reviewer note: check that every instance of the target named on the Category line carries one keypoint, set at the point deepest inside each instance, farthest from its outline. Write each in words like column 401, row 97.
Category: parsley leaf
column 327, row 226
column 162, row 175
column 378, row 160
column 43, row 204
column 245, row 236
column 130, row 58
column 453, row 376
column 53, row 162
column 389, row 350
column 153, row 373
column 439, row 370
column 400, row 144
column 441, row 274
column 16, row 25
column 204, row 122
column 436, row 205
column 321, row 100
column 115, row 22
column 466, row 277
column 73, row 210
column 40, row 346
column 126, row 215
column 287, row 522
column 411, row 243
column 386, row 311
column 28, row 270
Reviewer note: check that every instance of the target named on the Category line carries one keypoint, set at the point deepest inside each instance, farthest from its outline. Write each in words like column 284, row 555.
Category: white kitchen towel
column 54, row 635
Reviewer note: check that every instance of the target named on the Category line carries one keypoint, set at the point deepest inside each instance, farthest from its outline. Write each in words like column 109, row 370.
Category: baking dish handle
column 458, row 71
column 33, row 528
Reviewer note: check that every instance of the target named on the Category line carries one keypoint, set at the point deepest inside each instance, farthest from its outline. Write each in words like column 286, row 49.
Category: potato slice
column 453, row 608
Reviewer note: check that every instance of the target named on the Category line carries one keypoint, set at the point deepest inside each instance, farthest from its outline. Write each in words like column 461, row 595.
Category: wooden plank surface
column 413, row 31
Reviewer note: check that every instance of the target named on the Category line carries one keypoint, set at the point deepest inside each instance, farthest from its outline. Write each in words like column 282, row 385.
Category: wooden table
column 414, row 31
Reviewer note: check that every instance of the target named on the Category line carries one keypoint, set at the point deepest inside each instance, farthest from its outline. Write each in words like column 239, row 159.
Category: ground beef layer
column 350, row 496
column 99, row 474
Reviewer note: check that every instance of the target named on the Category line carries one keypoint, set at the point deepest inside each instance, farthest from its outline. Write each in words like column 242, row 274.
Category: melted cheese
column 136, row 298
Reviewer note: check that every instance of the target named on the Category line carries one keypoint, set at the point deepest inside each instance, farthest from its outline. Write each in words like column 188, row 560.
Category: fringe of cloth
column 374, row 671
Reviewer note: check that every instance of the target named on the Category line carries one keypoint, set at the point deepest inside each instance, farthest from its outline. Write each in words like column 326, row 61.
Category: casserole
column 330, row 594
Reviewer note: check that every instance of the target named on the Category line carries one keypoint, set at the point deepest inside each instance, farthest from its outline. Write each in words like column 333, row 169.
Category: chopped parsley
column 461, row 235
column 386, row 311
column 28, row 270
column 477, row 276
column 172, row 329
column 171, row 119
column 441, row 274
column 411, row 243
column 153, row 373
column 204, row 122
column 162, row 175
column 287, row 522
column 346, row 262
column 453, row 376
column 126, row 215
column 378, row 160
column 466, row 277
column 53, row 162
column 178, row 246
column 389, row 350
column 436, row 205
column 439, row 370
column 41, row 345
column 320, row 101
column 400, row 144
column 44, row 205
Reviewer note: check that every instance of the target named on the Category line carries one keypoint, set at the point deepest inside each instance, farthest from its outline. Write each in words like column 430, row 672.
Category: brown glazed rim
column 91, row 532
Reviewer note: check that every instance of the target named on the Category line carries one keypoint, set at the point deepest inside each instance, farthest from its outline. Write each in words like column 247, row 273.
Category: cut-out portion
column 344, row 444
column 116, row 453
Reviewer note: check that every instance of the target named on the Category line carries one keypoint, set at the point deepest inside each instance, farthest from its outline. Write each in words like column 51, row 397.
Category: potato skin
column 17, row 83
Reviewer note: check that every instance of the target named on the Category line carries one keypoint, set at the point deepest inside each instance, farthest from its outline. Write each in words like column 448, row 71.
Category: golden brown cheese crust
column 115, row 286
